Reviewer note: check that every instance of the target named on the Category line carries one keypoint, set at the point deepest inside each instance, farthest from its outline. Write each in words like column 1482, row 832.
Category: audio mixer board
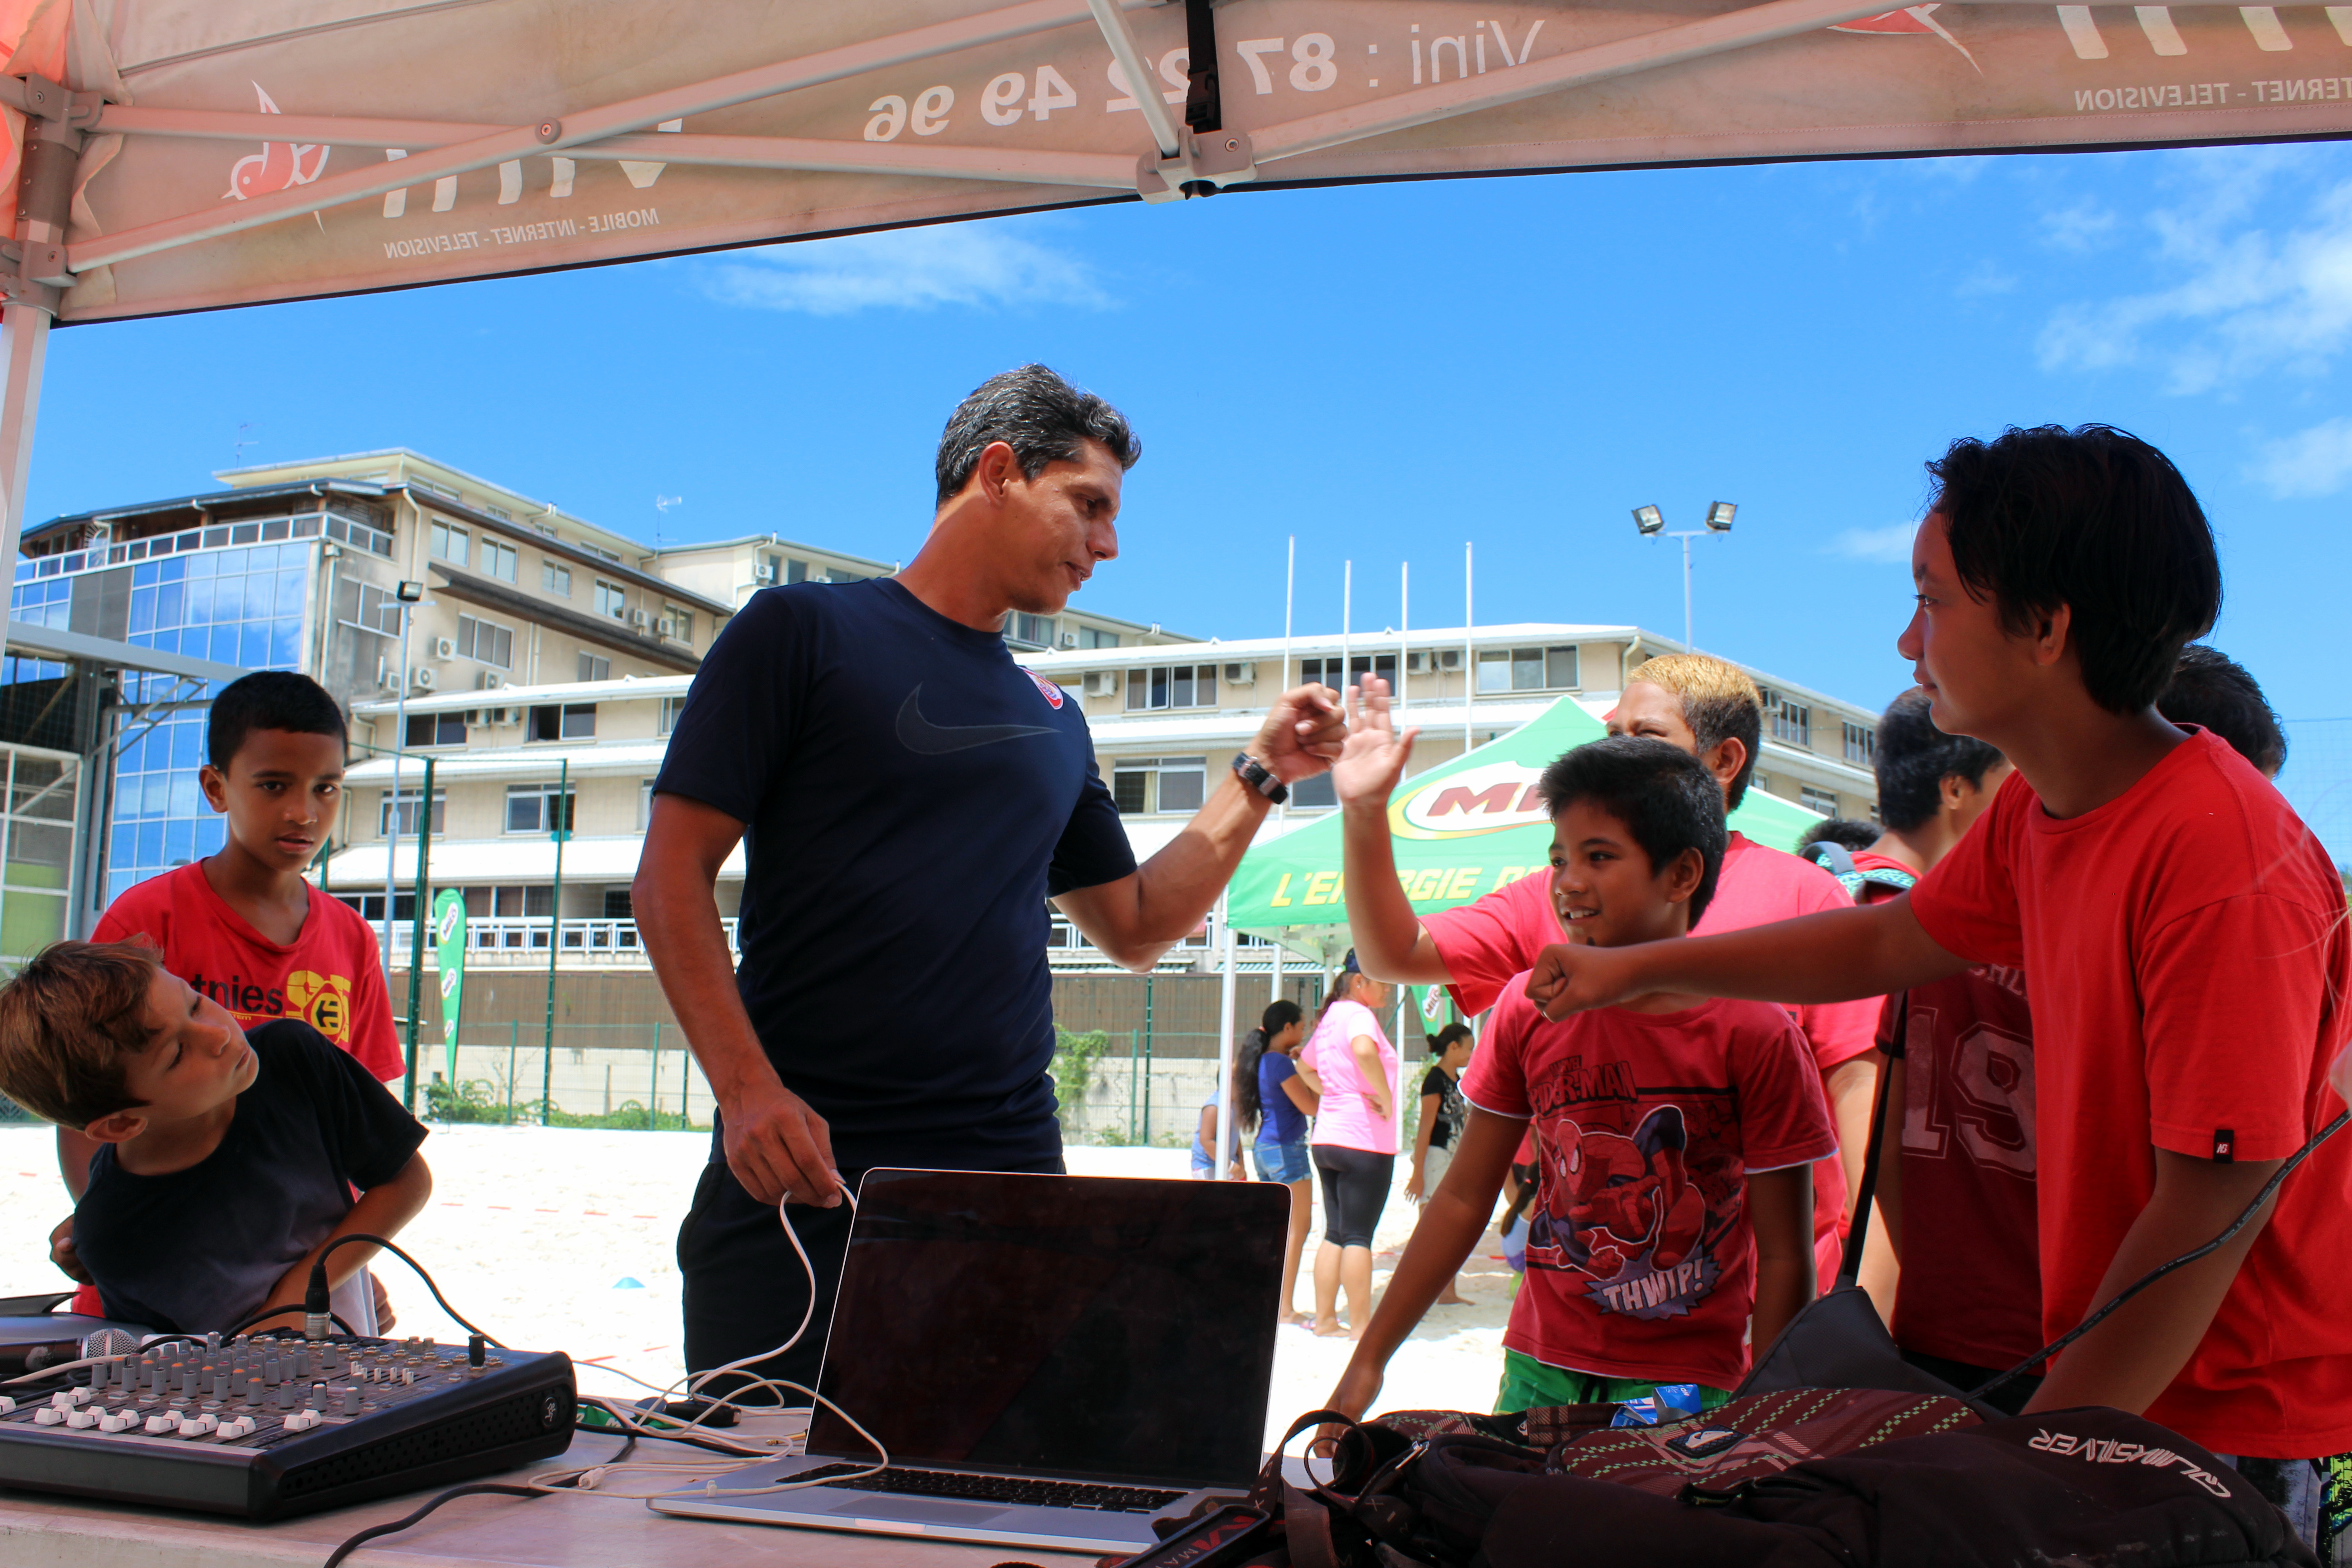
column 267, row 1426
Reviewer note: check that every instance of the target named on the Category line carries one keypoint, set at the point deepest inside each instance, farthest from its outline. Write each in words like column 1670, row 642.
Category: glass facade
column 37, row 790
column 246, row 604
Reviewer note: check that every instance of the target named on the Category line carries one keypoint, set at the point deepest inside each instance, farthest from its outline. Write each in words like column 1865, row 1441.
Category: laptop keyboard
column 997, row 1488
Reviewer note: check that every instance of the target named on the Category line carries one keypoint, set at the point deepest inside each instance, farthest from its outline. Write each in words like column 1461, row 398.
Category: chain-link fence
column 619, row 1076
column 2317, row 781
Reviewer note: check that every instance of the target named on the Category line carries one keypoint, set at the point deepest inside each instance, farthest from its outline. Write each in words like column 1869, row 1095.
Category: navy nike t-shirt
column 911, row 799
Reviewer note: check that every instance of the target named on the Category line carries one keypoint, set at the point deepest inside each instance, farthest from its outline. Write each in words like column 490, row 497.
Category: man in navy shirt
column 909, row 798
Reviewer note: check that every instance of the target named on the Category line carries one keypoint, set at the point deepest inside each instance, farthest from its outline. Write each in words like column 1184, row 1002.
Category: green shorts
column 1531, row 1385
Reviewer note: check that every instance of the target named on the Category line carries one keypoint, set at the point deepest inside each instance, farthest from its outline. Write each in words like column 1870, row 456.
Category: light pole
column 1651, row 522
column 409, row 594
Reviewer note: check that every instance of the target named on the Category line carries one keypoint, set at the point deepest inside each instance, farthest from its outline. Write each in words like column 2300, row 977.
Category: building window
column 1527, row 669
column 449, row 541
column 526, row 902
column 1173, row 686
column 611, row 600
column 592, row 667
column 1307, row 794
column 1327, row 671
column 618, row 905
column 554, row 578
column 1144, row 785
column 501, row 513
column 796, row 570
column 572, row 722
column 500, row 560
column 408, row 801
column 1038, row 631
column 365, row 605
column 437, row 730
column 1821, row 800
column 1861, row 743
column 1095, row 636
column 671, row 707
column 536, row 808
column 487, row 641
column 678, row 625
column 1791, row 722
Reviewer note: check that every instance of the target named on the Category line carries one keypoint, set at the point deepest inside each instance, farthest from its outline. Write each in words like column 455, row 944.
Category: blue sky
column 1386, row 372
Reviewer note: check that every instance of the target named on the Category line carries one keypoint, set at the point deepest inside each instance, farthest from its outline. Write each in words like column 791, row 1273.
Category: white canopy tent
column 173, row 156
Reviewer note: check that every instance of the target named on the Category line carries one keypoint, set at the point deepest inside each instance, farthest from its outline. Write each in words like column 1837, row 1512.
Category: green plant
column 1075, row 1056
column 474, row 1100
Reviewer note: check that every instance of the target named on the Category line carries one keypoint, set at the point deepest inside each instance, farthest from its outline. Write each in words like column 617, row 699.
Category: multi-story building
column 1166, row 719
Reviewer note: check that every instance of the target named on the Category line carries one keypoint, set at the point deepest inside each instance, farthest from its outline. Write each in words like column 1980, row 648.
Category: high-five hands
column 1374, row 757
column 1302, row 734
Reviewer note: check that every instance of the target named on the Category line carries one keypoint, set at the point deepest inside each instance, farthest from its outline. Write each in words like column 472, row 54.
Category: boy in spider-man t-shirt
column 2187, row 942
column 1673, row 1136
column 243, row 926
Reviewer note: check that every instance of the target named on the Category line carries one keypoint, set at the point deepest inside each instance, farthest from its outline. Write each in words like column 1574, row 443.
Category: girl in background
column 1349, row 1064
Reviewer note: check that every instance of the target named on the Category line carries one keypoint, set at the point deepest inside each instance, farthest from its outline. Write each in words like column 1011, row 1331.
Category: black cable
column 2269, row 1190
column 246, row 1323
column 318, row 1278
column 376, row 1532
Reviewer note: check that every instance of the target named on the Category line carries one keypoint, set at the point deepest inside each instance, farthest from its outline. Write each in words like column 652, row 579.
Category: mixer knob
column 350, row 1399
column 81, row 1418
column 48, row 1416
column 165, row 1422
column 6, row 1405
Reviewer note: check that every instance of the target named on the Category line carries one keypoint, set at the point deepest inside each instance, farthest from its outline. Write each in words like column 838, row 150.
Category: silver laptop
column 1050, row 1360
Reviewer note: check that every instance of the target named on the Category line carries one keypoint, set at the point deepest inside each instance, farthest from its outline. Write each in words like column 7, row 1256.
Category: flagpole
column 1227, row 1133
column 1469, row 653
column 1404, row 630
column 1347, row 618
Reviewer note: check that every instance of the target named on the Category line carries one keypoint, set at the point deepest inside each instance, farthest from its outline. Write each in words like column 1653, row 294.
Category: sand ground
column 562, row 1239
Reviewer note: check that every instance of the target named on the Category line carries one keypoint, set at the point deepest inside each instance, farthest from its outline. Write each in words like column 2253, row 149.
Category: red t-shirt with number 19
column 2188, row 947
column 330, row 976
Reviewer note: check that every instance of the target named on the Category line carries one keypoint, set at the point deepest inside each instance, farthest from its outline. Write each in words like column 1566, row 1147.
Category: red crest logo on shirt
column 1046, row 689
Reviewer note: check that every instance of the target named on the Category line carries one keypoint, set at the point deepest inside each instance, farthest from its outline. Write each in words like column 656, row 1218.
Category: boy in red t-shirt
column 2185, row 934
column 1956, row 1156
column 1707, row 708
column 243, row 926
column 1674, row 1135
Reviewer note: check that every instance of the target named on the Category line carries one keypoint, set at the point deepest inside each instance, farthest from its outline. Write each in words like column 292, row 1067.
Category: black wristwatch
column 1253, row 773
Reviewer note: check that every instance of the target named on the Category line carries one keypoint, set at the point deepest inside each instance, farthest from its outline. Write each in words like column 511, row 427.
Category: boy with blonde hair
column 227, row 1159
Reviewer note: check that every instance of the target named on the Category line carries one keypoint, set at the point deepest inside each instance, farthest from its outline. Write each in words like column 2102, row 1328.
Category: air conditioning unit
column 444, row 648
column 1241, row 675
column 1102, row 683
column 1450, row 658
column 764, row 573
column 1069, row 639
column 507, row 716
column 424, row 677
column 639, row 619
column 489, row 680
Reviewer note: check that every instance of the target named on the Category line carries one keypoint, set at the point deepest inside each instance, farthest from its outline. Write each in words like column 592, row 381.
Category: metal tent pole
column 35, row 285
column 560, row 807
column 422, row 917
column 1226, row 1132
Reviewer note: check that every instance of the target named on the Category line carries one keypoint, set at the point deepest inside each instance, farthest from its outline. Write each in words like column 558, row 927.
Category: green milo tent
column 1461, row 830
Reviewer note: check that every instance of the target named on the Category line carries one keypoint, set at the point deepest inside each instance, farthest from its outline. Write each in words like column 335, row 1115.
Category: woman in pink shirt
column 1350, row 1064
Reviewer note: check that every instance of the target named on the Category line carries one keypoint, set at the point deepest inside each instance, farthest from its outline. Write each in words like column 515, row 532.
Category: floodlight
column 410, row 592
column 1718, row 516
column 1649, row 519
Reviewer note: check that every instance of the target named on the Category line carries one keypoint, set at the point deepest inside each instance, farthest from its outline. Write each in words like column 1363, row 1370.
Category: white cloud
column 1985, row 278
column 908, row 269
column 2313, row 462
column 1890, row 545
column 2247, row 300
column 2083, row 227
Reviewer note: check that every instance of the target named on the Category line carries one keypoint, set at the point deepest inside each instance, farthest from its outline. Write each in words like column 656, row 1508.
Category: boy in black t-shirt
column 227, row 1159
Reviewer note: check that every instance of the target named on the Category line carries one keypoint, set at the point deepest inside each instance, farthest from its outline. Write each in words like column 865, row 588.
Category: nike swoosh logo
column 919, row 735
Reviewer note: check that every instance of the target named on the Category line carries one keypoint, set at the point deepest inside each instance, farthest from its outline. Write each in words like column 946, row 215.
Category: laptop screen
column 1094, row 1326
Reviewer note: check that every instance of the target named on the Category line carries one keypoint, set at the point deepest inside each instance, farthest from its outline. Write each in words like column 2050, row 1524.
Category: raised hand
column 1302, row 733
column 1374, row 757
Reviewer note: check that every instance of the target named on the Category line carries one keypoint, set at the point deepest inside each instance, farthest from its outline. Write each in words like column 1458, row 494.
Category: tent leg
column 1228, row 1133
column 24, row 353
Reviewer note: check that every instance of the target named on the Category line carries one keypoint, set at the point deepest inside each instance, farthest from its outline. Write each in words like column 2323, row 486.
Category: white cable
column 49, row 1372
